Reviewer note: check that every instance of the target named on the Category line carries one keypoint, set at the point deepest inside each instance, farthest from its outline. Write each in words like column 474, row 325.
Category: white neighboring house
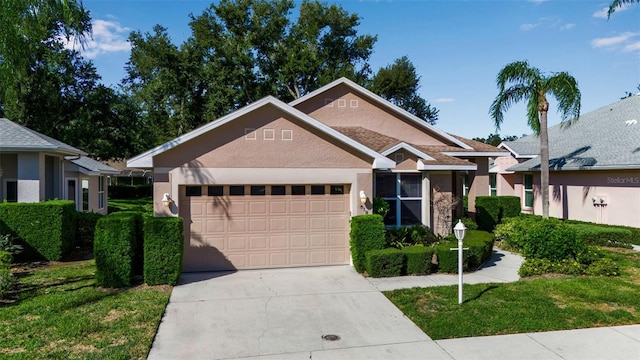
column 35, row 167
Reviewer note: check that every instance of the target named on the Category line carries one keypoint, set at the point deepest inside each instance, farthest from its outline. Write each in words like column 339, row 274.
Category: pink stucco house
column 594, row 167
column 275, row 184
column 35, row 167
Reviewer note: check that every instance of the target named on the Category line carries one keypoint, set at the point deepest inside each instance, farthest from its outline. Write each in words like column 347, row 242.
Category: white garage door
column 264, row 226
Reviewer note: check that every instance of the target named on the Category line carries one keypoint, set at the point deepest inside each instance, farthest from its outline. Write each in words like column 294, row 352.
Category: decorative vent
column 250, row 134
column 269, row 134
column 287, row 135
column 399, row 157
column 342, row 103
column 631, row 122
column 353, row 103
column 328, row 102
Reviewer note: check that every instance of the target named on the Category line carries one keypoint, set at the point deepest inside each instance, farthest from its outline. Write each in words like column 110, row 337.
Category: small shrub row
column 600, row 267
column 604, row 235
column 129, row 244
column 6, row 277
column 490, row 210
column 85, row 227
column 130, row 191
column 45, row 230
column 367, row 233
column 419, row 259
column 635, row 232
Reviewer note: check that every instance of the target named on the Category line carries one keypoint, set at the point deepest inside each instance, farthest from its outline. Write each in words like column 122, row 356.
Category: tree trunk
column 544, row 160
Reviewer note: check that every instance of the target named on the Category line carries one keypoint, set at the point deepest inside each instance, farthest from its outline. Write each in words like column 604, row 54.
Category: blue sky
column 458, row 47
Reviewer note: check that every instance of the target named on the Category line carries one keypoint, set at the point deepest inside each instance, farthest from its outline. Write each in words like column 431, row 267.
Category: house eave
column 476, row 153
column 423, row 166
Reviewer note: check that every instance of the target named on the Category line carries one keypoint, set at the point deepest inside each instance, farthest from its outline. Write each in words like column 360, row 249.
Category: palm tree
column 531, row 85
column 619, row 3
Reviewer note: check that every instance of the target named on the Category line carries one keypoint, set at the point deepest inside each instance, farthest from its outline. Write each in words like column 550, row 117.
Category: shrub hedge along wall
column 130, row 191
column 163, row 250
column 46, row 230
column 114, row 248
column 367, row 233
column 490, row 210
column 385, row 262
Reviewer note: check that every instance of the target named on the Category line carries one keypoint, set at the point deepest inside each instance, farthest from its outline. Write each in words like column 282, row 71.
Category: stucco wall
column 340, row 106
column 479, row 182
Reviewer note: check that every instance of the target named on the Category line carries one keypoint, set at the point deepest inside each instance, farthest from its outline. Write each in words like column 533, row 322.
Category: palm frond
column 505, row 99
column 533, row 115
column 517, row 73
column 564, row 88
column 615, row 4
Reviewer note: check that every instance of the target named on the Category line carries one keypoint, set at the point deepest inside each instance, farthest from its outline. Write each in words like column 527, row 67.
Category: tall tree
column 239, row 52
column 399, row 84
column 529, row 84
column 619, row 3
column 496, row 139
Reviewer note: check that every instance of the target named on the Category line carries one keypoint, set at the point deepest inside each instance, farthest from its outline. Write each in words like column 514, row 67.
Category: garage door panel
column 263, row 231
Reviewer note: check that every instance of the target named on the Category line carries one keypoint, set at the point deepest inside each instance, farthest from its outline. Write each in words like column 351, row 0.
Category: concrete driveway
column 284, row 314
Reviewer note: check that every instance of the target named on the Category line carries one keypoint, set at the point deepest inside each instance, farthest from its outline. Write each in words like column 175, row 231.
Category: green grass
column 57, row 312
column 531, row 305
column 140, row 204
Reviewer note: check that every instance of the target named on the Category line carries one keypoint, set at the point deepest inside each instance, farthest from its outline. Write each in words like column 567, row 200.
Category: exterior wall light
column 166, row 200
column 363, row 201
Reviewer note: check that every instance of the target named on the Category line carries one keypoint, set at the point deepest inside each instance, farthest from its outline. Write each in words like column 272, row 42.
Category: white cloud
column 108, row 36
column 602, row 13
column 568, row 26
column 538, row 1
column 445, row 100
column 527, row 27
column 632, row 47
column 613, row 40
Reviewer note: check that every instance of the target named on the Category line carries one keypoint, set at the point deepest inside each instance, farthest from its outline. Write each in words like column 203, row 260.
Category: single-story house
column 594, row 167
column 35, row 167
column 275, row 184
column 127, row 175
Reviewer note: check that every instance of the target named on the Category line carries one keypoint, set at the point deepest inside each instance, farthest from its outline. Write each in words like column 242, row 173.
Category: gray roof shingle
column 94, row 165
column 606, row 138
column 17, row 137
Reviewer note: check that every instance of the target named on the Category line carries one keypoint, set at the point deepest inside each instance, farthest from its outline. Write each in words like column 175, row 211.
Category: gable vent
column 631, row 122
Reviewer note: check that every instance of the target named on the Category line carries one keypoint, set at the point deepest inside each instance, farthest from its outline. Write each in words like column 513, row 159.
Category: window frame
column 527, row 191
column 101, row 192
column 398, row 200
column 493, row 184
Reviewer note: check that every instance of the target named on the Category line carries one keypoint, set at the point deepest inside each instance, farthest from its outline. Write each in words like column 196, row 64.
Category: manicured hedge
column 385, row 262
column 418, row 259
column 46, row 230
column 367, row 233
column 115, row 247
column 163, row 250
column 603, row 235
column 490, row 210
column 480, row 244
column 130, row 191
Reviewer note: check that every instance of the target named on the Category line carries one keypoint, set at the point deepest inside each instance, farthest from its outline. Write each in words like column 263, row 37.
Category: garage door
column 264, row 226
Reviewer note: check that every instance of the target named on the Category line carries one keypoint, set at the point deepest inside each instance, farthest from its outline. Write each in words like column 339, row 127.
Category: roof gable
column 145, row 160
column 15, row 137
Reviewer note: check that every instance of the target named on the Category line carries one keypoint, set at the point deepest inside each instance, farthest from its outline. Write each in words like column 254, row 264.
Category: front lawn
column 530, row 305
column 58, row 312
column 144, row 204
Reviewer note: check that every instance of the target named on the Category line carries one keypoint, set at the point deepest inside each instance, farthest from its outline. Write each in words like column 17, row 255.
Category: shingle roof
column 380, row 142
column 606, row 138
column 94, row 165
column 17, row 137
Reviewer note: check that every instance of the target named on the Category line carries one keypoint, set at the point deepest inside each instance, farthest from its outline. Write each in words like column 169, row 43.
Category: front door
column 72, row 191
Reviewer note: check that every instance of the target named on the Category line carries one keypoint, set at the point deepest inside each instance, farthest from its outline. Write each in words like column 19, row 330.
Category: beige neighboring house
column 275, row 184
column 35, row 167
column 594, row 167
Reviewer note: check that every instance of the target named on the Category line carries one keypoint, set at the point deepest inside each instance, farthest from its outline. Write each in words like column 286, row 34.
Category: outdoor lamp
column 460, row 230
column 363, row 200
column 166, row 200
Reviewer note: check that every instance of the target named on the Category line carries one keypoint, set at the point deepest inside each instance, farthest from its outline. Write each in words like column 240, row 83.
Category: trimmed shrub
column 603, row 267
column 163, row 250
column 115, row 245
column 384, row 263
column 418, row 260
column 5, row 260
column 552, row 240
column 480, row 244
column 513, row 231
column 490, row 210
column 130, row 191
column 367, row 233
column 86, row 227
column 469, row 223
column 6, row 282
column 46, row 230
column 603, row 235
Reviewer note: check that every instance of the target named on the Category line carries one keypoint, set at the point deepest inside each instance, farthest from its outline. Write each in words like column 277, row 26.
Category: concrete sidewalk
column 620, row 342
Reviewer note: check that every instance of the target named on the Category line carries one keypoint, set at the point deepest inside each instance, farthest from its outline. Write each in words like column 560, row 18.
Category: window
column 493, row 190
column 258, row 190
column 528, row 190
column 236, row 190
column 11, row 191
column 317, row 189
column 101, row 192
column 85, row 194
column 193, row 191
column 465, row 185
column 298, row 190
column 278, row 189
column 215, row 190
column 403, row 192
column 337, row 189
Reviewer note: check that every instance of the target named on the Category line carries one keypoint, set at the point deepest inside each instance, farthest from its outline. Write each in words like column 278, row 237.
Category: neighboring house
column 594, row 167
column 129, row 176
column 35, row 167
column 275, row 184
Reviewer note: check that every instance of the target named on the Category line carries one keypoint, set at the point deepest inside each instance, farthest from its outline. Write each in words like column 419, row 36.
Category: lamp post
column 460, row 230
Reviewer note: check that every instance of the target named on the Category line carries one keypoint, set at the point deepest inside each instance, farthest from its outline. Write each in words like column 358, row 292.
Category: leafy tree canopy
column 496, row 139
